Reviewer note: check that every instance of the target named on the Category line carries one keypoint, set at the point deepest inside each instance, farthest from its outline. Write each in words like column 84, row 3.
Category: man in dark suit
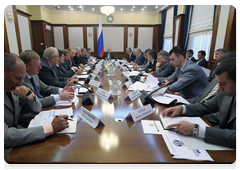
column 224, row 102
column 40, row 89
column 131, row 56
column 218, row 53
column 65, row 66
column 163, row 67
column 190, row 56
column 188, row 79
column 15, row 135
column 108, row 54
column 49, row 74
column 152, row 57
column 140, row 59
column 201, row 59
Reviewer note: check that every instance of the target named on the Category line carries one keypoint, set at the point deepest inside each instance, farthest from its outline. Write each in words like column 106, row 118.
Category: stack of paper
column 67, row 103
column 169, row 99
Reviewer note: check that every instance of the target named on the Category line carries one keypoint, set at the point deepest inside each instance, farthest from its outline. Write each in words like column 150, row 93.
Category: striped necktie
column 55, row 74
column 211, row 94
column 34, row 86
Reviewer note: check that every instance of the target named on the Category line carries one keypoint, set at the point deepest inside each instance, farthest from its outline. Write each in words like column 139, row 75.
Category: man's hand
column 152, row 73
column 75, row 68
column 20, row 91
column 172, row 111
column 135, row 67
column 157, row 65
column 80, row 71
column 68, row 88
column 89, row 63
column 132, row 63
column 60, row 123
column 124, row 59
column 72, row 80
column 179, row 94
column 183, row 127
column 166, row 81
column 66, row 96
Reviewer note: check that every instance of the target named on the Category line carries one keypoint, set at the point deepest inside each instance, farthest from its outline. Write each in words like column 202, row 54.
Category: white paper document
column 152, row 127
column 151, row 81
column 207, row 71
column 169, row 98
column 67, row 103
column 178, row 150
column 140, row 86
column 82, row 76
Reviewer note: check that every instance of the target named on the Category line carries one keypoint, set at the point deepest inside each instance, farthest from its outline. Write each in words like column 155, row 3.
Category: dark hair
column 10, row 61
column 228, row 66
column 177, row 51
column 226, row 56
column 221, row 50
column 89, row 49
column 190, row 51
column 146, row 51
column 202, row 52
column 153, row 54
column 60, row 52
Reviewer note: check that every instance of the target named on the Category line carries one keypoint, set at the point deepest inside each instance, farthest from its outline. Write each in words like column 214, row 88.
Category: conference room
column 107, row 127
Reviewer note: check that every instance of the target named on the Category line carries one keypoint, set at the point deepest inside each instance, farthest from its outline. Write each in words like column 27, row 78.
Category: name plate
column 89, row 117
column 95, row 83
column 133, row 95
column 127, row 84
column 104, row 94
column 94, row 76
column 140, row 113
column 96, row 71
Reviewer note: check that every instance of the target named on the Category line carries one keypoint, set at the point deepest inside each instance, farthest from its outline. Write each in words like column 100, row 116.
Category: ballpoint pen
column 65, row 118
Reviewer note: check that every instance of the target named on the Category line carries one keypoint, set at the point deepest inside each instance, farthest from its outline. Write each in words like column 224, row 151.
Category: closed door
column 49, row 38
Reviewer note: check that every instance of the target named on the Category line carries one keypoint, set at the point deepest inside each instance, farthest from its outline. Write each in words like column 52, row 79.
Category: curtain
column 162, row 28
column 167, row 44
column 186, row 25
column 174, row 14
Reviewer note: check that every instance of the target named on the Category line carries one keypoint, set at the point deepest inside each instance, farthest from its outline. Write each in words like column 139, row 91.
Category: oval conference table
column 116, row 142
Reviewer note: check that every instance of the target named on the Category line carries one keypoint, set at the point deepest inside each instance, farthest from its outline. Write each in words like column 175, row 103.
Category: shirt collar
column 28, row 76
column 183, row 67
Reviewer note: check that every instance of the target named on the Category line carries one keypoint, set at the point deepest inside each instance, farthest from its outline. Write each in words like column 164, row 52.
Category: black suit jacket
column 151, row 66
column 47, row 76
column 73, row 62
column 105, row 55
column 203, row 63
column 79, row 60
column 140, row 60
column 131, row 58
column 68, row 74
column 193, row 60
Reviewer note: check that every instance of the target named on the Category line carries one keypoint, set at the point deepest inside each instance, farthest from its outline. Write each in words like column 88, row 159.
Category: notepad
column 72, row 127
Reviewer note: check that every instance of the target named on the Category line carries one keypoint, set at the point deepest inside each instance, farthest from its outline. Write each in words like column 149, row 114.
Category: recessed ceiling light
column 121, row 9
column 133, row 6
column 156, row 6
column 131, row 9
column 69, row 6
column 93, row 9
column 142, row 9
column 145, row 7
column 71, row 9
column 80, row 6
column 82, row 9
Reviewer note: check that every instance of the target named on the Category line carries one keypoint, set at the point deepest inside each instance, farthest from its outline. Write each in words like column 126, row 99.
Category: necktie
column 212, row 93
column 55, row 74
column 35, row 88
column 70, row 62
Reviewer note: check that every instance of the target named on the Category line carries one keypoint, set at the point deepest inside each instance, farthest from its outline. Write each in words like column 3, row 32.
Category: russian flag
column 100, row 47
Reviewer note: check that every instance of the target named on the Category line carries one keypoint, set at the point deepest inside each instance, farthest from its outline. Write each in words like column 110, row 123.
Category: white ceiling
column 89, row 8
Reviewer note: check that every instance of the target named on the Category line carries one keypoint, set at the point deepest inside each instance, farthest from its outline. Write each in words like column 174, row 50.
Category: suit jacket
column 15, row 135
column 140, row 60
column 132, row 57
column 47, row 76
column 212, row 73
column 203, row 63
column 105, row 55
column 73, row 62
column 80, row 60
column 65, row 67
column 226, row 133
column 151, row 66
column 164, row 71
column 67, row 75
column 191, row 82
column 44, row 90
column 193, row 60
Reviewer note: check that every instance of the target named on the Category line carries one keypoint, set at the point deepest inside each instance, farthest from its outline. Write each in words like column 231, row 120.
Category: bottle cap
column 114, row 75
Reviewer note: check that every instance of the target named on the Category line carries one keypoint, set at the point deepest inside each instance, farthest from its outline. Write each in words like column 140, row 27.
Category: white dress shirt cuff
column 73, row 70
column 48, row 130
column 201, row 132
column 56, row 98
column 184, row 109
column 60, row 90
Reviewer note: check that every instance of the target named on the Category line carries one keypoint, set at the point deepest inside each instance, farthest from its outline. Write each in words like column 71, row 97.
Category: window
column 168, row 32
column 200, row 32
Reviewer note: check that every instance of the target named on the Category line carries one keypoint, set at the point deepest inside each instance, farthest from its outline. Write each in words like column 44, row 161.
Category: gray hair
column 78, row 48
column 83, row 49
column 221, row 50
column 49, row 52
column 164, row 54
column 10, row 61
column 129, row 49
column 65, row 52
column 138, row 49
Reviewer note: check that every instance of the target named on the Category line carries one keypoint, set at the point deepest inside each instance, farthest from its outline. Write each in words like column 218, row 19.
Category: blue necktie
column 35, row 88
column 55, row 74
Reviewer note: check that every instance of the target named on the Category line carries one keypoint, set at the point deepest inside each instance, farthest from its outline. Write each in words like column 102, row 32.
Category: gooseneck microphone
column 87, row 97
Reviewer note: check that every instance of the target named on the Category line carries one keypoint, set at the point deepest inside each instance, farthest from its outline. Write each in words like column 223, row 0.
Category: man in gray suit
column 224, row 102
column 140, row 59
column 163, row 67
column 189, row 79
column 15, row 135
column 40, row 89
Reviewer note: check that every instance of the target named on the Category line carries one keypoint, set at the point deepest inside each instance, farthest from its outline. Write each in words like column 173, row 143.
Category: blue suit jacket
column 140, row 60
column 191, row 82
column 164, row 71
column 65, row 67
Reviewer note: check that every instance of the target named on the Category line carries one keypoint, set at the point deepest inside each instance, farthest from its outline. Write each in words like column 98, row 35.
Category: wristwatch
column 195, row 129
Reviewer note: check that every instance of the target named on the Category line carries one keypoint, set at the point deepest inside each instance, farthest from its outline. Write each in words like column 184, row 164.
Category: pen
column 155, row 125
column 172, row 129
column 65, row 118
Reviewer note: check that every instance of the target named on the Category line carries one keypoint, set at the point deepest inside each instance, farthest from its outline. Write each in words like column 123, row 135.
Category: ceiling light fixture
column 93, row 9
column 71, row 9
column 107, row 10
column 131, row 9
column 57, row 7
column 69, row 6
column 156, row 6
column 121, row 9
column 133, row 6
column 142, row 9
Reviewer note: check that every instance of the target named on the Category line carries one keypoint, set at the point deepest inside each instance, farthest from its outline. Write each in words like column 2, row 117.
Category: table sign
column 96, row 71
column 140, row 113
column 125, row 73
column 127, row 84
column 104, row 94
column 95, row 83
column 94, row 76
column 133, row 95
column 89, row 117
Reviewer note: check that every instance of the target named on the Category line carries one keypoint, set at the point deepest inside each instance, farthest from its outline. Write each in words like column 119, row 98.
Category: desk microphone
column 92, row 67
column 87, row 97
column 147, row 99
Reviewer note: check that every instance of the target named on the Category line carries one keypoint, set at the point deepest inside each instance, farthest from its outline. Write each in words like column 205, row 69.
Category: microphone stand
column 87, row 97
column 147, row 99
